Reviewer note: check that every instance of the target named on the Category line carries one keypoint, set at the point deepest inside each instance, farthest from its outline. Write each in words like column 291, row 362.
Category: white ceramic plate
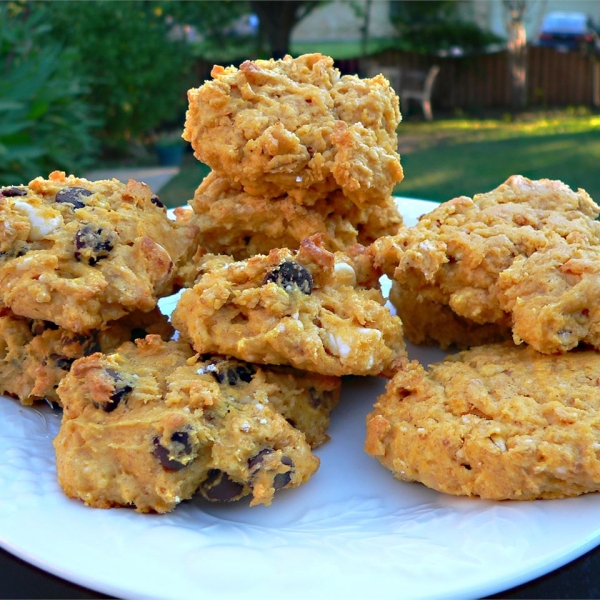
column 350, row 532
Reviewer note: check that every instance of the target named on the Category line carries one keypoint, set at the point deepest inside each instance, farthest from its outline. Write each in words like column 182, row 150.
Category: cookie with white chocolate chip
column 499, row 421
column 82, row 253
column 151, row 425
column 312, row 309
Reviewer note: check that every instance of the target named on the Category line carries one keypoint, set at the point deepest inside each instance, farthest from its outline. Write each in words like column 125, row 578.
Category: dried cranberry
column 179, row 447
column 12, row 192
column 156, row 200
column 120, row 393
column 218, row 487
column 232, row 372
column 289, row 274
column 93, row 243
column 72, row 195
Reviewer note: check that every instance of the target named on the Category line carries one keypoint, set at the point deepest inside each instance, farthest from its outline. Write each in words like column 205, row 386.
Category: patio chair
column 392, row 74
column 418, row 85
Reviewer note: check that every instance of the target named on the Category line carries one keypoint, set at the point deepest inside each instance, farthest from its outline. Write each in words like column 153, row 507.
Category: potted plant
column 169, row 146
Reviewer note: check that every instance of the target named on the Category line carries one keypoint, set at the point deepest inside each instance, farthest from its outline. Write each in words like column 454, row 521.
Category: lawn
column 452, row 157
column 457, row 157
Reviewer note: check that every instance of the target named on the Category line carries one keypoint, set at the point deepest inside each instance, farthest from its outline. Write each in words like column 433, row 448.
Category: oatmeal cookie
column 35, row 355
column 279, row 126
column 80, row 253
column 312, row 309
column 502, row 259
column 230, row 221
column 502, row 422
column 151, row 425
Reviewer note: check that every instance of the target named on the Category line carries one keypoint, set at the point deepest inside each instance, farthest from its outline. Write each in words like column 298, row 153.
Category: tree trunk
column 277, row 19
column 365, row 29
column 517, row 52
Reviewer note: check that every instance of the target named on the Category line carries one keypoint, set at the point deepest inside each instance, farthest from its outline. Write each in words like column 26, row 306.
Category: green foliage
column 212, row 20
column 45, row 123
column 435, row 26
column 141, row 68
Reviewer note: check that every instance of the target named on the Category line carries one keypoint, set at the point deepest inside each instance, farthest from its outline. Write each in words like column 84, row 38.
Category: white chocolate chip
column 42, row 220
column 339, row 346
column 344, row 273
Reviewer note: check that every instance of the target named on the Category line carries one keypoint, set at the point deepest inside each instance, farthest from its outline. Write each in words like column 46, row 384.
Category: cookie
column 81, row 254
column 230, row 221
column 35, row 355
column 501, row 422
column 429, row 323
column 311, row 309
column 296, row 126
column 522, row 256
column 152, row 425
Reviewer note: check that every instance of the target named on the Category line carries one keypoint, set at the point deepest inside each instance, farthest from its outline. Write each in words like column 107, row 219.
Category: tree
column 435, row 26
column 139, row 73
column 277, row 20
column 517, row 52
column 212, row 20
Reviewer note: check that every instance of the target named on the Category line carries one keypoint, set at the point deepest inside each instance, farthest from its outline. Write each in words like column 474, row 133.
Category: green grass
column 461, row 157
column 452, row 157
column 444, row 172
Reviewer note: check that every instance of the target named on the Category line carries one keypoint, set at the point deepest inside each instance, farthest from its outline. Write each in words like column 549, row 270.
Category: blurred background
column 488, row 88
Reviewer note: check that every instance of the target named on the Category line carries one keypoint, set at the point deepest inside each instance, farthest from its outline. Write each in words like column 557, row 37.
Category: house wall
column 338, row 20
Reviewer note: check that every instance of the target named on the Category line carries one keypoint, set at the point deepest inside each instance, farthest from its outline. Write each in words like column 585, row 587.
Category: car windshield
column 565, row 23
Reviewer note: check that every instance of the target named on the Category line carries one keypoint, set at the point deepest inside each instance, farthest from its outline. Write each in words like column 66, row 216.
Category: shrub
column 45, row 121
column 141, row 72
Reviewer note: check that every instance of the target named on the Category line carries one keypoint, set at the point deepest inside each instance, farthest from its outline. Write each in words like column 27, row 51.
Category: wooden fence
column 482, row 82
column 554, row 79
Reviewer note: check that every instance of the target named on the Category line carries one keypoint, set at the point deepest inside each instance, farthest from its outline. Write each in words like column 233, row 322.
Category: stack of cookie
column 295, row 150
column 82, row 268
column 82, row 265
column 304, row 167
column 514, row 419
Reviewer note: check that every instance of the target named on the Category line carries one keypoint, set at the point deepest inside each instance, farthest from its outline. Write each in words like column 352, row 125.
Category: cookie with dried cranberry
column 311, row 309
column 500, row 421
column 151, row 425
column 304, row 399
column 35, row 355
column 296, row 125
column 83, row 253
column 231, row 221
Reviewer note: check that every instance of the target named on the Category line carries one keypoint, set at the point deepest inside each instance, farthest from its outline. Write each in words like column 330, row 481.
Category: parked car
column 569, row 31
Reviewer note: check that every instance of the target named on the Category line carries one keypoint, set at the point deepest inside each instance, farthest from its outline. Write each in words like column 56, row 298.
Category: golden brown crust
column 295, row 124
column 337, row 327
column 499, row 259
column 151, row 425
column 231, row 221
column 500, row 422
column 35, row 355
column 82, row 253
